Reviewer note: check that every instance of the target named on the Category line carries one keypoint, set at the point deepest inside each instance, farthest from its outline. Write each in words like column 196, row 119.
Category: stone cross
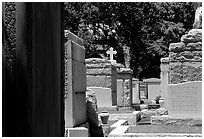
column 111, row 53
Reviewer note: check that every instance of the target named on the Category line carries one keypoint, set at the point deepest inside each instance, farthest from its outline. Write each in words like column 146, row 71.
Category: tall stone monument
column 185, row 57
column 184, row 63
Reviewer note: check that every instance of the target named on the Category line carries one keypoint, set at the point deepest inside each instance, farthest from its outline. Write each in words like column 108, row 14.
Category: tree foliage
column 147, row 28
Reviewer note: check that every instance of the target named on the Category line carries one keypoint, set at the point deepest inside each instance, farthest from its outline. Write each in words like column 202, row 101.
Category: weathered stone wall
column 99, row 72
column 186, row 58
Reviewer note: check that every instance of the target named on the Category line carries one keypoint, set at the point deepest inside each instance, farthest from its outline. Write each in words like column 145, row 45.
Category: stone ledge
column 157, row 135
column 195, row 32
column 165, row 119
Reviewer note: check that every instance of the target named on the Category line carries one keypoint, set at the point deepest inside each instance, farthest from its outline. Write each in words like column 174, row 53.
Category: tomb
column 101, row 77
column 153, row 87
column 181, row 81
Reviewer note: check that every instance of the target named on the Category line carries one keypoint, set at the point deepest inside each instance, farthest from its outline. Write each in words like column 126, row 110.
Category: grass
column 165, row 129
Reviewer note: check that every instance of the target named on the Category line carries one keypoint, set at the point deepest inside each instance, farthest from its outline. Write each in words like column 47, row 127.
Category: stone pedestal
column 135, row 91
column 124, row 87
column 185, row 58
column 164, row 78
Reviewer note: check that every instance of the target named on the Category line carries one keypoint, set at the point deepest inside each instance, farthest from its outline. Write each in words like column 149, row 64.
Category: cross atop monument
column 111, row 53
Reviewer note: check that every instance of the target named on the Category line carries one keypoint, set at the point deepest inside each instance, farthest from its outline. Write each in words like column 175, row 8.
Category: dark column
column 37, row 105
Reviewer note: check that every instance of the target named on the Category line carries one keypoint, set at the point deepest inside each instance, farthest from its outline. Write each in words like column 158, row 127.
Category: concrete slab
column 119, row 123
column 119, row 131
column 76, row 132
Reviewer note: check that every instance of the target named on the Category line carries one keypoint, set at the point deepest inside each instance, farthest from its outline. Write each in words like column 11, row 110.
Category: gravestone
column 75, row 81
column 103, row 96
column 185, row 100
column 153, row 87
column 33, row 68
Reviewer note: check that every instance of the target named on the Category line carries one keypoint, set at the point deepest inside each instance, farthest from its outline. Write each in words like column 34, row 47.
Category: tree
column 146, row 28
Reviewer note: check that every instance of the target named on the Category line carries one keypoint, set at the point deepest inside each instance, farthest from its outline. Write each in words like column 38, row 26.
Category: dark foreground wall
column 33, row 69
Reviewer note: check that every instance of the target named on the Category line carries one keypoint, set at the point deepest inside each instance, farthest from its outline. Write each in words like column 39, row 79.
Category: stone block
column 177, row 47
column 186, row 56
column 98, row 71
column 186, row 71
column 71, row 36
column 192, row 71
column 75, row 51
column 99, row 81
column 76, row 132
column 75, row 85
column 79, row 78
column 103, row 96
column 195, row 32
column 194, row 46
column 137, row 115
column 79, row 108
column 191, row 38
